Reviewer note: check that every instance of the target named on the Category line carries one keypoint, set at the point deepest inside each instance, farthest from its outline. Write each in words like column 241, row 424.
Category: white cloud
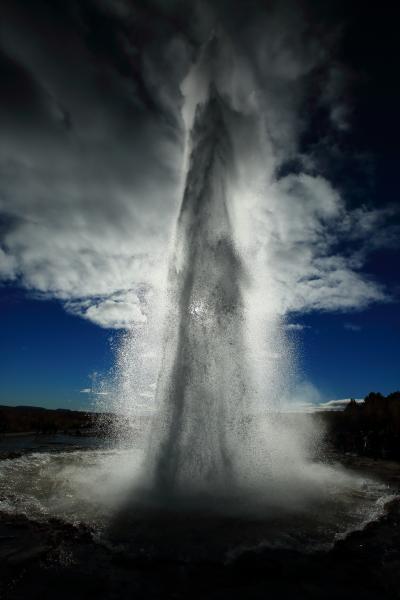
column 321, row 406
column 121, row 311
column 336, row 404
column 295, row 232
column 8, row 266
column 93, row 392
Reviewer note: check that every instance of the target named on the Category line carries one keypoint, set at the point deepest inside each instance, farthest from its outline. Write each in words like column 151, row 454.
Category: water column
column 201, row 384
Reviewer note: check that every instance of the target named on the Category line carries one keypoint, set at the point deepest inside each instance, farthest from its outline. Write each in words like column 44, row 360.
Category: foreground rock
column 55, row 560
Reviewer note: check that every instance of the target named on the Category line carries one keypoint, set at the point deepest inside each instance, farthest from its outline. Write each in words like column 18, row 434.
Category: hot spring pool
column 96, row 487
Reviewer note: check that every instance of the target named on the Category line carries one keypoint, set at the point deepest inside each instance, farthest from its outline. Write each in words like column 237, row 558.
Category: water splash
column 218, row 441
column 214, row 443
column 202, row 381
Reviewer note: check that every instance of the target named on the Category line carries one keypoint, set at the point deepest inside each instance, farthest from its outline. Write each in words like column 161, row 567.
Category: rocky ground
column 52, row 559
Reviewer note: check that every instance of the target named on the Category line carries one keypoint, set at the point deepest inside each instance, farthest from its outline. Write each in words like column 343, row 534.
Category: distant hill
column 20, row 419
column 36, row 419
column 370, row 428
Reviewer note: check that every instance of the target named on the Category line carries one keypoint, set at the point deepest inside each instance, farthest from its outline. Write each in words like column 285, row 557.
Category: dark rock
column 22, row 556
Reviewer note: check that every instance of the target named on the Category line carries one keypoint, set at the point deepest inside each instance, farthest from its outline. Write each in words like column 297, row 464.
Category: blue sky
column 48, row 355
column 350, row 355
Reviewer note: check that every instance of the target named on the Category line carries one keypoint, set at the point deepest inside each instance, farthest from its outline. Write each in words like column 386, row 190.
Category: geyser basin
column 83, row 486
column 95, row 487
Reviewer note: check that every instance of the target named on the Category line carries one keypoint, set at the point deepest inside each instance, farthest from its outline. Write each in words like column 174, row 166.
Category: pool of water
column 100, row 488
column 44, row 443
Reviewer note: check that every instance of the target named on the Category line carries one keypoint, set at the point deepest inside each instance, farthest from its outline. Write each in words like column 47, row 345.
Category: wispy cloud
column 94, row 392
column 296, row 327
column 310, row 407
column 336, row 404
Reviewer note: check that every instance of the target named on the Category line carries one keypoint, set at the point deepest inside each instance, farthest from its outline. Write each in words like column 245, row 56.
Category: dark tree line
column 21, row 419
column 370, row 428
column 37, row 420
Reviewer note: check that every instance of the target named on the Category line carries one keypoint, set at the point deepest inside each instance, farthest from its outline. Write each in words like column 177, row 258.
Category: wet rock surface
column 56, row 560
column 53, row 559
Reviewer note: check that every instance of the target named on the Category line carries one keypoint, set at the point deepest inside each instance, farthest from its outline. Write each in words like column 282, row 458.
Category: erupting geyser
column 207, row 444
column 201, row 387
column 219, row 444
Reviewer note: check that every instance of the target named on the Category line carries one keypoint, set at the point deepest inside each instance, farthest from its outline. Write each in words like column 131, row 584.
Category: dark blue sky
column 48, row 355
column 350, row 355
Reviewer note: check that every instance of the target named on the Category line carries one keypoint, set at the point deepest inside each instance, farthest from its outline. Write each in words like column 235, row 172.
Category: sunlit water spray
column 202, row 382
column 218, row 443
column 213, row 442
